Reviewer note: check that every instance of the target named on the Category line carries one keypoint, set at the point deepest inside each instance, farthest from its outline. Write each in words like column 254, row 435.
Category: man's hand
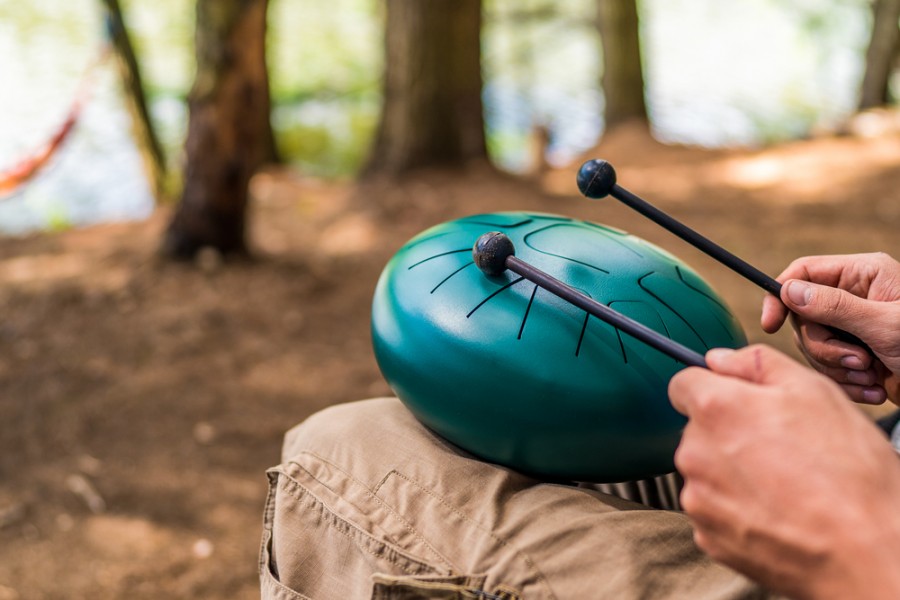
column 785, row 480
column 857, row 293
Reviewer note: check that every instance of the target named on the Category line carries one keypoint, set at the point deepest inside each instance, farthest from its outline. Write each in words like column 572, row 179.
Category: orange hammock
column 23, row 171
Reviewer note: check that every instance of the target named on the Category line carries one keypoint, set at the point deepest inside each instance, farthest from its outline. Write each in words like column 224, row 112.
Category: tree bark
column 881, row 54
column 142, row 126
column 623, row 76
column 229, row 134
column 432, row 113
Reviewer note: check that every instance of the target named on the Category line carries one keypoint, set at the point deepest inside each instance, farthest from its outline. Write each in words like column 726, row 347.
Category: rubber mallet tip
column 491, row 251
column 596, row 178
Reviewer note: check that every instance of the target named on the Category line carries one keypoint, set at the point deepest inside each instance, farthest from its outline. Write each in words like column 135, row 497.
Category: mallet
column 494, row 253
column 597, row 179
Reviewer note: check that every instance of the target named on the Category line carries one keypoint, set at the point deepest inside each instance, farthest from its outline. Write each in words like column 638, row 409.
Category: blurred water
column 45, row 49
column 747, row 72
column 96, row 177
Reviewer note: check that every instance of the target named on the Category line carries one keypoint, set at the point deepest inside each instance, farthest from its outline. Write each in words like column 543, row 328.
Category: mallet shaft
column 604, row 313
column 698, row 241
column 716, row 251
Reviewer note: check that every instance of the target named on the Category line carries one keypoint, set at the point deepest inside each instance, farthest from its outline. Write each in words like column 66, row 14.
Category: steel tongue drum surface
column 514, row 375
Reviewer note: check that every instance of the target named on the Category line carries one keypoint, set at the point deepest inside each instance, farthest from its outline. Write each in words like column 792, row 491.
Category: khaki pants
column 367, row 503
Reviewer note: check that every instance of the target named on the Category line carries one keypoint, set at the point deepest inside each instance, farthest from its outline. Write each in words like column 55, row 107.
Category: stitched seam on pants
column 267, row 577
column 336, row 493
column 358, row 537
column 282, row 589
column 382, row 482
column 268, row 518
column 372, row 495
column 517, row 552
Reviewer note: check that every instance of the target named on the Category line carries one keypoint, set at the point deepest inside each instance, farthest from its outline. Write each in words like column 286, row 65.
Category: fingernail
column 799, row 292
column 719, row 353
column 873, row 396
column 852, row 362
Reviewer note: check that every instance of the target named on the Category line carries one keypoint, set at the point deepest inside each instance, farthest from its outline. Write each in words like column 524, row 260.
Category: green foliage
column 328, row 141
column 325, row 64
column 163, row 35
column 321, row 49
column 57, row 220
column 509, row 146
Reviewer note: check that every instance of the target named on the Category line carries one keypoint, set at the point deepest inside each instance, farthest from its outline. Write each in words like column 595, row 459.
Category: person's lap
column 368, row 503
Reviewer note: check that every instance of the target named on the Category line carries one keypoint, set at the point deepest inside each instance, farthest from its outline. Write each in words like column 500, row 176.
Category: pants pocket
column 271, row 587
column 310, row 552
column 462, row 587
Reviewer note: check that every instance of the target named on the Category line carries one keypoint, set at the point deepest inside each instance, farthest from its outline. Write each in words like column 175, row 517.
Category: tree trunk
column 432, row 113
column 145, row 135
column 881, row 54
column 229, row 135
column 623, row 77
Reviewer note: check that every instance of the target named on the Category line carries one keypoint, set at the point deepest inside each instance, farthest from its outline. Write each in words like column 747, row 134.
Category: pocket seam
column 269, row 576
column 265, row 553
column 354, row 533
column 372, row 495
column 516, row 551
column 467, row 586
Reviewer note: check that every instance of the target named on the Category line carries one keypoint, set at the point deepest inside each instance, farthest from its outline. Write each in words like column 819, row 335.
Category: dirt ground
column 141, row 402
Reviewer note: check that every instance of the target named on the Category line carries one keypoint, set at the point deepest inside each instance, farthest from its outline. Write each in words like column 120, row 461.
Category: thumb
column 831, row 306
column 757, row 364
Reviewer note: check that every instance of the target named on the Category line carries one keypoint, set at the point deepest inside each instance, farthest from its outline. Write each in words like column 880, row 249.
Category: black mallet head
column 491, row 251
column 596, row 178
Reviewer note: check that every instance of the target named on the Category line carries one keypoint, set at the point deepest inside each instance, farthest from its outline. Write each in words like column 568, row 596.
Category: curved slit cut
column 583, row 329
column 425, row 260
column 675, row 312
column 621, row 346
column 527, row 310
column 447, row 278
column 568, row 258
column 699, row 291
column 505, row 287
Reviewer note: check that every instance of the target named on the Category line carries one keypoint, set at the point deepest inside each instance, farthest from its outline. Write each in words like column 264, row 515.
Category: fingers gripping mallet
column 494, row 253
column 597, row 179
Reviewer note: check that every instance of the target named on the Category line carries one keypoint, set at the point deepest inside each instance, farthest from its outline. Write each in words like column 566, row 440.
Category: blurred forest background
column 197, row 197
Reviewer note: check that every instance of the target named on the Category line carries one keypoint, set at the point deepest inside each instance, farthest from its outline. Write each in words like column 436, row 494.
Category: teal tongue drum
column 514, row 375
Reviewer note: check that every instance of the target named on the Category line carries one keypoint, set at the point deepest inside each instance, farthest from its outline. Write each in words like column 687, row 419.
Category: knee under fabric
column 516, row 376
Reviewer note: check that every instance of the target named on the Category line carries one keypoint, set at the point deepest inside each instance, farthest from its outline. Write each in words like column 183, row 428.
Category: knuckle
column 797, row 265
column 762, row 349
column 837, row 304
column 690, row 501
column 684, row 459
column 685, row 390
column 758, row 356
column 708, row 544
column 677, row 384
column 704, row 401
column 704, row 541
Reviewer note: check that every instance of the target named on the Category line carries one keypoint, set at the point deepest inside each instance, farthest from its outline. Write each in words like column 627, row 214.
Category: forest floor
column 142, row 401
